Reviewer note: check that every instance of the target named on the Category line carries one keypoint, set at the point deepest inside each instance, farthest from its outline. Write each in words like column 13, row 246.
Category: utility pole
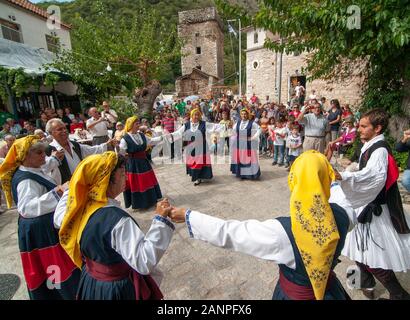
column 240, row 61
column 240, row 57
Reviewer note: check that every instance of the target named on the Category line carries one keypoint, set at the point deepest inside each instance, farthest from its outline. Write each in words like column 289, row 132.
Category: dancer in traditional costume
column 380, row 243
column 306, row 245
column 198, row 161
column 244, row 150
column 142, row 189
column 116, row 257
column 48, row 270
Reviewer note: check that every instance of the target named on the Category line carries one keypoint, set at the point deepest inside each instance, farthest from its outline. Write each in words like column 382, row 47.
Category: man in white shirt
column 74, row 152
column 300, row 93
column 97, row 126
column 109, row 114
column 380, row 243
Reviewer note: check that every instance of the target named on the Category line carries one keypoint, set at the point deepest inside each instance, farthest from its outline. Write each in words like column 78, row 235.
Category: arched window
column 255, row 37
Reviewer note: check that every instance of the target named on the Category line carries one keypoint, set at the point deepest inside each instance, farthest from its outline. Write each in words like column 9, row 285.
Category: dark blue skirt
column 92, row 289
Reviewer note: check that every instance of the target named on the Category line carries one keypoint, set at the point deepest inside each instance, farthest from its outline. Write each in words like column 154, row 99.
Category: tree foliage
column 137, row 50
column 327, row 30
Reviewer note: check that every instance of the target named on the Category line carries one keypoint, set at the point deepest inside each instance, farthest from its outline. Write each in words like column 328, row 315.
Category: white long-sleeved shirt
column 136, row 137
column 141, row 251
column 72, row 159
column 255, row 130
column 266, row 240
column 210, row 128
column 362, row 187
column 33, row 199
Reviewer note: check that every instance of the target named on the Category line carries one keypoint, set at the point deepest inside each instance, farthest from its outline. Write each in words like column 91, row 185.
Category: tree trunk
column 145, row 98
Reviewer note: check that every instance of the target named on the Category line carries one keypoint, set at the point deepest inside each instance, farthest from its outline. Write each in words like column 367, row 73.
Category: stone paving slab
column 194, row 269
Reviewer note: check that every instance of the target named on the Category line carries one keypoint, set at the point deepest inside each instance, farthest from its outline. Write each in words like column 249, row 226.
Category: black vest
column 391, row 198
column 63, row 167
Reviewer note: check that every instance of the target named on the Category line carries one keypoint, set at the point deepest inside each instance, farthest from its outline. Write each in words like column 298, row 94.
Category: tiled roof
column 27, row 5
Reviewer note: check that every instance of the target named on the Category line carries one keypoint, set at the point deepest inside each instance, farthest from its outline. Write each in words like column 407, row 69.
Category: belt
column 314, row 136
column 101, row 136
column 138, row 155
column 144, row 286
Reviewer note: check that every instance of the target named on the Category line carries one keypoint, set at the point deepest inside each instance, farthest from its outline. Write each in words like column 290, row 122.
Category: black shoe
column 287, row 165
column 280, row 164
column 274, row 163
column 197, row 182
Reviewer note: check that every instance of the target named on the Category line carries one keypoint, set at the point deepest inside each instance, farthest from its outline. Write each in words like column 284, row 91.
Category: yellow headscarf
column 195, row 110
column 313, row 223
column 247, row 111
column 87, row 194
column 13, row 160
column 129, row 123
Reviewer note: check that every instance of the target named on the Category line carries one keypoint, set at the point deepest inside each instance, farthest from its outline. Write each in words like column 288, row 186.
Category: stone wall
column 263, row 80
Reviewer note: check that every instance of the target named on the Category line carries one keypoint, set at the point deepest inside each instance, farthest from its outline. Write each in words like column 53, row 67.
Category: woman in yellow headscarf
column 142, row 190
column 245, row 145
column 305, row 245
column 36, row 195
column 198, row 161
column 115, row 255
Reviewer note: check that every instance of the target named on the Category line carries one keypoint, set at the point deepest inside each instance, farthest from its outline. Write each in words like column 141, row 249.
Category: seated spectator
column 404, row 146
column 5, row 131
column 42, row 122
column 9, row 139
column 28, row 128
column 68, row 113
column 61, row 115
column 344, row 142
column 75, row 124
column 15, row 128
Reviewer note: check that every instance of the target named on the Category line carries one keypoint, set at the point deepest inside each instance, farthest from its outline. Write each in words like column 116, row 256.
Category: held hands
column 337, row 174
column 165, row 209
column 112, row 142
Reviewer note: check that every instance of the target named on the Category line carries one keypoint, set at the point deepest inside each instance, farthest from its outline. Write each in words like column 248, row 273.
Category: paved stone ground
column 193, row 269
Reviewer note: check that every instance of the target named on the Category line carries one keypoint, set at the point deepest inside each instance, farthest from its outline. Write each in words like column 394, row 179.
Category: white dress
column 388, row 250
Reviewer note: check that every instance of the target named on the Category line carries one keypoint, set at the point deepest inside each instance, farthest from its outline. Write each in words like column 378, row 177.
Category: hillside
column 169, row 9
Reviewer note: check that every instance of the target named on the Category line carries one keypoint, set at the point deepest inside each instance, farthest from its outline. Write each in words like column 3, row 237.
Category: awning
column 14, row 55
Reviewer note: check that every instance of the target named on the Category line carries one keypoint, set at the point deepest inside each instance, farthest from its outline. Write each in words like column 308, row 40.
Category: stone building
column 264, row 77
column 201, row 32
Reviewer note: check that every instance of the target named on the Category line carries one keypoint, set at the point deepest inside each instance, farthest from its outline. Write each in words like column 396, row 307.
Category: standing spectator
column 300, row 93
column 15, row 128
column 315, row 128
column 313, row 95
column 263, row 123
column 109, row 114
column 168, row 123
column 279, row 143
column 42, row 122
column 294, row 143
column 404, row 146
column 119, row 131
column 295, row 111
column 225, row 131
column 254, row 99
column 346, row 112
column 334, row 117
column 97, row 126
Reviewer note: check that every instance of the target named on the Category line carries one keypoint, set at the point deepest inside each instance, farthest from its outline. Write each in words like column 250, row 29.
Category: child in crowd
column 226, row 130
column 289, row 126
column 294, row 142
column 271, row 135
column 279, row 143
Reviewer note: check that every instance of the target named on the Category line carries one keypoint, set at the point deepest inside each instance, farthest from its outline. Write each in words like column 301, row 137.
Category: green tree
column 372, row 38
column 120, row 56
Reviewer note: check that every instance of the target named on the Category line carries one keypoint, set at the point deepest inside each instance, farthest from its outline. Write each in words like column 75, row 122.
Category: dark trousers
column 386, row 277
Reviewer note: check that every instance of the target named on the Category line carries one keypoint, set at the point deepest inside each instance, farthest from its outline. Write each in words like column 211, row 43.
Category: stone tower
column 203, row 42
